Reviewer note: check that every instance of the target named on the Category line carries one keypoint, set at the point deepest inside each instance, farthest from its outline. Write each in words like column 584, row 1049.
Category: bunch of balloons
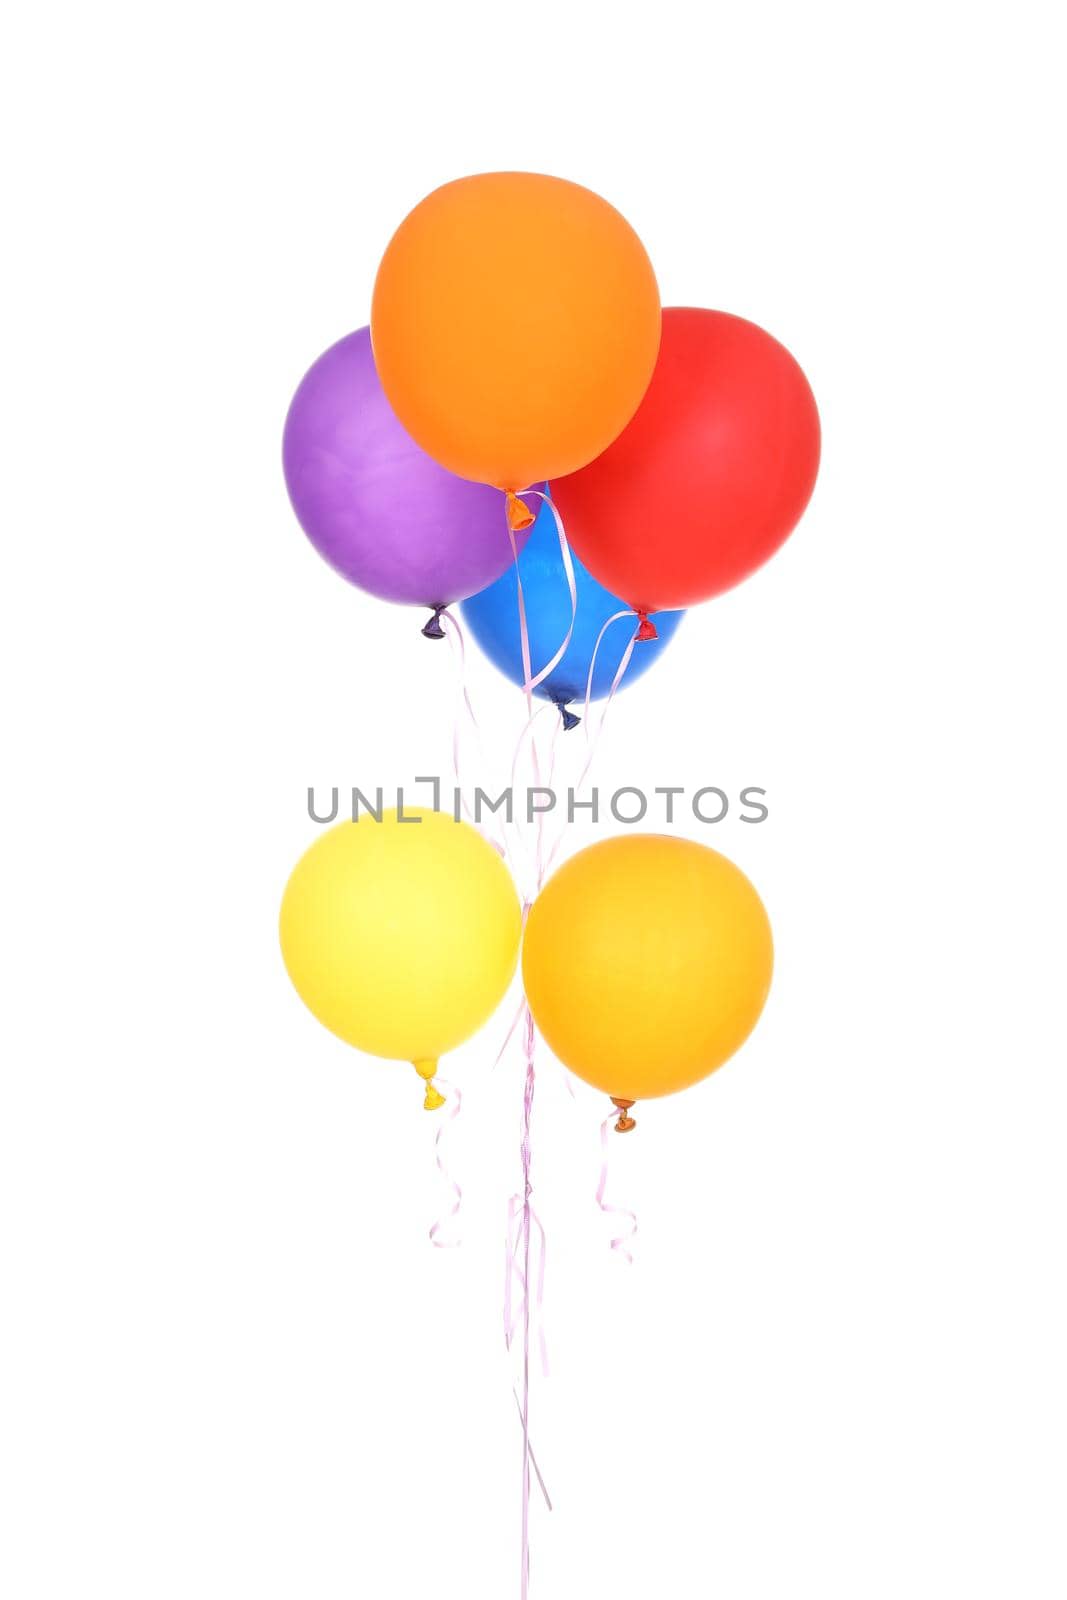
column 524, row 430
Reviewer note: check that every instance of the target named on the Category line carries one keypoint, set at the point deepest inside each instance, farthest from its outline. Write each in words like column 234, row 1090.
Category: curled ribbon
column 531, row 682
column 528, row 736
column 593, row 738
column 455, row 1102
column 522, row 1222
column 622, row 1241
column 457, row 645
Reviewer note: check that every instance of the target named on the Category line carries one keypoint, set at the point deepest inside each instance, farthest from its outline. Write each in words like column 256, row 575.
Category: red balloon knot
column 646, row 627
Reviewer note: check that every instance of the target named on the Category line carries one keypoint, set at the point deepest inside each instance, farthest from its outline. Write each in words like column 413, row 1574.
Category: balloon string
column 593, row 738
column 620, row 671
column 533, row 1458
column 531, row 682
column 518, row 1017
column 521, row 1247
column 455, row 1102
column 527, row 1221
column 465, row 708
column 541, row 863
column 464, row 703
column 621, row 1241
column 514, row 1274
column 529, row 735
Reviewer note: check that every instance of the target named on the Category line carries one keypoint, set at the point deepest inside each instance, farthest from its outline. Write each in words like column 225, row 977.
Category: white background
column 232, row 1365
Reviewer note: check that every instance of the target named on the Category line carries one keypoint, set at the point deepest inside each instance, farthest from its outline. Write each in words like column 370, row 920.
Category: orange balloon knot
column 434, row 1098
column 433, row 629
column 646, row 627
column 520, row 516
column 568, row 717
column 625, row 1123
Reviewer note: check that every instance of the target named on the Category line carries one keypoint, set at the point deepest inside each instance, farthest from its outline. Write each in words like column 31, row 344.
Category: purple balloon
column 379, row 509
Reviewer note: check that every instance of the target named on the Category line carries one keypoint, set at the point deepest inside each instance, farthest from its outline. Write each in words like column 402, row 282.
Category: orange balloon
column 647, row 961
column 515, row 326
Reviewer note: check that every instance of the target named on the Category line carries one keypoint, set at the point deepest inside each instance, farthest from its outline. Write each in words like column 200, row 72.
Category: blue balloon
column 493, row 619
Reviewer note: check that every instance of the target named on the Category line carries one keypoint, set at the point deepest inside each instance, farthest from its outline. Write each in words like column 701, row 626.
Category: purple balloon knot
column 433, row 629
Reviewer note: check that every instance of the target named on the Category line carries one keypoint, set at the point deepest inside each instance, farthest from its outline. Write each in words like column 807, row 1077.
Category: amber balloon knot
column 625, row 1123
column 646, row 628
column 520, row 517
column 434, row 1098
column 568, row 717
column 433, row 629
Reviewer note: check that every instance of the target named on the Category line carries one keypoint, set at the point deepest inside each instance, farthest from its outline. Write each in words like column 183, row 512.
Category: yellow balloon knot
column 625, row 1123
column 519, row 514
column 434, row 1098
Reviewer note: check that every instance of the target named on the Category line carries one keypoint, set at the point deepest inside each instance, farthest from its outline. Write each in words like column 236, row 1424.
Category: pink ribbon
column 455, row 1103
column 522, row 1218
column 527, row 1222
column 525, row 1243
column 515, row 1274
column 529, row 736
column 621, row 1241
column 531, row 682
column 593, row 739
column 459, row 652
column 533, row 1458
column 619, row 673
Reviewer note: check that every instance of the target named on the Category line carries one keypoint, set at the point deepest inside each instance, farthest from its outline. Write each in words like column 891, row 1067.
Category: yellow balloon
column 401, row 936
column 647, row 961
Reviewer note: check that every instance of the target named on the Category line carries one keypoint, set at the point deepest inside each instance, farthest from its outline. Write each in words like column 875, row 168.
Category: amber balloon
column 647, row 961
column 515, row 325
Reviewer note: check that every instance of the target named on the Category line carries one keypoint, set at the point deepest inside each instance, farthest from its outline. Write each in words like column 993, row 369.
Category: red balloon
column 710, row 476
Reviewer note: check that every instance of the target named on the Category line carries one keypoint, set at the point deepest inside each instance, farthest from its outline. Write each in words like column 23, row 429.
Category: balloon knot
column 433, row 629
column 519, row 514
column 569, row 719
column 434, row 1098
column 646, row 627
column 625, row 1123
